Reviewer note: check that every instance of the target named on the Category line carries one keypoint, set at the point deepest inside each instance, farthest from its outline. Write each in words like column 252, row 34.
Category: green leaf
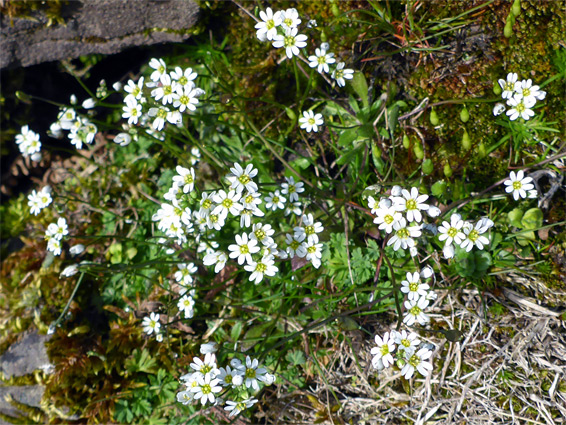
column 532, row 219
column 439, row 188
column 348, row 136
column 360, row 86
column 376, row 157
column 350, row 156
column 515, row 216
column 393, row 118
column 236, row 331
column 296, row 357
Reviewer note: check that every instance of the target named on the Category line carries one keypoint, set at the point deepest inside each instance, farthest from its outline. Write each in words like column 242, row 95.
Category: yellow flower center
column 250, row 373
column 244, row 249
column 260, row 267
column 452, row 232
column 413, row 286
column 474, row 235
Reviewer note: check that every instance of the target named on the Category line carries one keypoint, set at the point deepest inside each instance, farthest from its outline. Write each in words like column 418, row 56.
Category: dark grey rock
column 25, row 356
column 26, row 394
column 95, row 26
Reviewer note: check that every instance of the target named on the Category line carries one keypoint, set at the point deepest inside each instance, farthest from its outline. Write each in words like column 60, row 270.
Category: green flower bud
column 496, row 88
column 418, row 150
column 323, row 37
column 464, row 114
column 291, row 114
column 406, row 141
column 466, row 141
column 428, row 166
column 508, row 30
column 516, row 8
column 334, row 9
column 434, row 118
column 481, row 150
column 447, row 170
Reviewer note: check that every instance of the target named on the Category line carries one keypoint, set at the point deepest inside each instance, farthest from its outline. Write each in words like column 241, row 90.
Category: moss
column 26, row 8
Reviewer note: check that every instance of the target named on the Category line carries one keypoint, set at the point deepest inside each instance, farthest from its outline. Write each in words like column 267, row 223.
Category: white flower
column 312, row 23
column 57, row 230
column 185, row 98
column 218, row 258
column 411, row 203
column 518, row 184
column 28, row 142
column 452, row 232
column 132, row 110
column 230, row 377
column 184, row 78
column 403, row 237
column 205, row 367
column 340, row 74
column 309, row 228
column 509, row 85
column 195, row 155
column 417, row 361
column 519, row 109
column 206, row 204
column 414, row 311
column 209, row 347
column 164, row 91
column 151, row 324
column 88, row 103
column 77, row 249
column 383, row 351
column 160, row 68
column 265, row 266
column 184, row 274
column 321, row 59
column 185, row 397
column 243, row 249
column 528, row 92
column 215, row 221
column 413, row 287
column 186, row 305
column 407, row 342
column 135, row 90
column 227, row 203
column 54, row 245
column 161, row 115
column 474, row 234
column 236, row 407
column 427, row 272
column 267, row 29
column 292, row 189
column 251, row 200
column 433, row 211
column 498, row 109
column 39, row 200
column 448, row 251
column 291, row 41
column 206, row 388
column 70, row 270
column 241, row 179
column 295, row 246
column 386, row 218
column 310, row 122
column 252, row 373
column 290, row 18
column 314, row 252
column 293, row 207
column 396, row 190
column 274, row 201
column 262, row 234
column 123, row 139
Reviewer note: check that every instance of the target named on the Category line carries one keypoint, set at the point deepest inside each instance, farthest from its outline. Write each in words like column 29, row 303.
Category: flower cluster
column 239, row 379
column 520, row 185
column 54, row 236
column 39, row 200
column 521, row 97
column 29, row 144
column 162, row 99
column 401, row 348
column 255, row 248
column 281, row 28
column 463, row 233
column 81, row 129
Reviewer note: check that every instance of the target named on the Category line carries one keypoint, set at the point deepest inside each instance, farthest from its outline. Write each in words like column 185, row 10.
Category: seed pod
column 516, row 8
column 428, row 166
column 418, row 150
column 447, row 170
column 466, row 141
column 291, row 114
column 508, row 30
column 481, row 150
column 334, row 9
column 323, row 37
column 464, row 114
column 496, row 88
column 434, row 118
column 406, row 141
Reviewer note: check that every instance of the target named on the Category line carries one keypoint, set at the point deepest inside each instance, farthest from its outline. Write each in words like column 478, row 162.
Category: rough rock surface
column 27, row 394
column 94, row 26
column 25, row 356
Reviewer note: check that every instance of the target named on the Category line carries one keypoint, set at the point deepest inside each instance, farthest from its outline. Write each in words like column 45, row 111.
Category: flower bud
column 426, row 272
column 447, row 170
column 496, row 88
column 499, row 108
column 418, row 150
column 466, row 142
column 434, row 118
column 508, row 30
column 396, row 190
column 481, row 150
column 428, row 166
column 464, row 114
column 516, row 8
column 406, row 141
